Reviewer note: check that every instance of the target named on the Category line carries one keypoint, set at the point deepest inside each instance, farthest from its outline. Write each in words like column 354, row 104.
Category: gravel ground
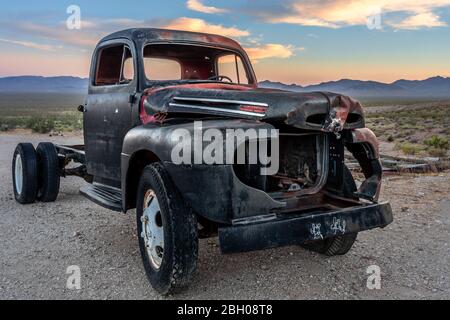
column 38, row 242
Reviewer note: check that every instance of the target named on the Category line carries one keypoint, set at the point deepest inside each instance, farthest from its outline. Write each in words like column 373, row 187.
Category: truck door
column 107, row 116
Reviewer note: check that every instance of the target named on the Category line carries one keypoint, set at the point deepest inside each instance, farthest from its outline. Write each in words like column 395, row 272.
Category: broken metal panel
column 367, row 137
column 365, row 148
column 215, row 192
column 393, row 164
column 414, row 165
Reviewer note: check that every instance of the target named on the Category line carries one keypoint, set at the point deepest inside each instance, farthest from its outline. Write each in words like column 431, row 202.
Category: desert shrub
column 41, row 124
column 409, row 148
column 437, row 142
column 435, row 152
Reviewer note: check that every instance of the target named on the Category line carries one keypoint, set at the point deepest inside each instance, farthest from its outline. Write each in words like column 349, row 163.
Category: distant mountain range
column 432, row 87
column 43, row 84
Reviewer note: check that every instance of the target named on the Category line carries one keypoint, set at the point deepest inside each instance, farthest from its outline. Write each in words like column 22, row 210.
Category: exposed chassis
column 75, row 153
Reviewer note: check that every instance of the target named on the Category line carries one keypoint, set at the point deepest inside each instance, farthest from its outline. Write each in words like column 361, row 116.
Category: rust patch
column 147, row 118
column 339, row 111
column 365, row 135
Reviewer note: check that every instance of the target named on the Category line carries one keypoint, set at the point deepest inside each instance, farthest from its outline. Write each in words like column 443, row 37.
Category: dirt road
column 38, row 242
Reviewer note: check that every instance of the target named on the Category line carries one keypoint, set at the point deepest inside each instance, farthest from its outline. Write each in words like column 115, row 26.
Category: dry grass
column 416, row 131
column 43, row 112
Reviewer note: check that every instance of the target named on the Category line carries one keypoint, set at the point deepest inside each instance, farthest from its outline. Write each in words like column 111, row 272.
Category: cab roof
column 157, row 35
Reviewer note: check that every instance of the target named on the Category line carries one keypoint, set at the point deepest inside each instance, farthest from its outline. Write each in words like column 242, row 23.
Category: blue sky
column 298, row 41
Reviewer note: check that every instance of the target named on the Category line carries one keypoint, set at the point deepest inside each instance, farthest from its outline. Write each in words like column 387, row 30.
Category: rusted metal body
column 129, row 126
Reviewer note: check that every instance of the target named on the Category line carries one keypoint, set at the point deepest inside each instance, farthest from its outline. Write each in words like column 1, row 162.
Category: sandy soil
column 38, row 242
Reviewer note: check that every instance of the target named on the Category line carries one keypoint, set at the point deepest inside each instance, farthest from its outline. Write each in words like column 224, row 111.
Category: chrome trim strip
column 258, row 104
column 245, row 113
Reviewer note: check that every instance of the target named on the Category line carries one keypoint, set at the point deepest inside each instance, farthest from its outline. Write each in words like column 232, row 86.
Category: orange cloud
column 199, row 25
column 197, row 5
column 338, row 13
column 270, row 50
column 426, row 19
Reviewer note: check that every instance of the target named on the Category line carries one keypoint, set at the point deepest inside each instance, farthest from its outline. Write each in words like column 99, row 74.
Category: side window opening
column 231, row 66
column 115, row 66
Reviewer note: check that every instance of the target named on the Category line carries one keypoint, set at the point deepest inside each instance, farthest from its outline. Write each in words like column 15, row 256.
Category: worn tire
column 27, row 171
column 49, row 172
column 339, row 245
column 179, row 259
column 335, row 246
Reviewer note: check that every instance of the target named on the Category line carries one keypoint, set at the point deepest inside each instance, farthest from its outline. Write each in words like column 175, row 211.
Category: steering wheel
column 220, row 78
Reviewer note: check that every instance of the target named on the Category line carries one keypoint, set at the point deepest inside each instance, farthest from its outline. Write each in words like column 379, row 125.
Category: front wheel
column 335, row 246
column 167, row 232
column 338, row 245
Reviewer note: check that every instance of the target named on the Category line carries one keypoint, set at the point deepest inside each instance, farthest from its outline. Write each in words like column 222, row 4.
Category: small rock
column 405, row 209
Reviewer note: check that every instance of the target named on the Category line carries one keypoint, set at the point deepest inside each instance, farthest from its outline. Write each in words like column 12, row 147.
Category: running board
column 107, row 197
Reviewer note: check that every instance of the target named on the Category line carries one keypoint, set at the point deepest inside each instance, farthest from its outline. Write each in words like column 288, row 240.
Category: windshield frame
column 252, row 82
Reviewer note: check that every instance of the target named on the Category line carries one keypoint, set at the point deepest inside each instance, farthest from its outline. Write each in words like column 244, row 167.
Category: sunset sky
column 305, row 42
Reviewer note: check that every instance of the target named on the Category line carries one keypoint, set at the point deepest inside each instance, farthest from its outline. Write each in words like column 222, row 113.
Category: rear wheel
column 167, row 232
column 339, row 245
column 49, row 172
column 24, row 172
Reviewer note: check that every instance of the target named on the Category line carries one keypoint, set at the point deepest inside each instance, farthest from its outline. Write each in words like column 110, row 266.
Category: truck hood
column 323, row 111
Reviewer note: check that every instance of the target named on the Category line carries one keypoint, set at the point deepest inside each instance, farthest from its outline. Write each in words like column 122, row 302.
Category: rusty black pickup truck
column 176, row 128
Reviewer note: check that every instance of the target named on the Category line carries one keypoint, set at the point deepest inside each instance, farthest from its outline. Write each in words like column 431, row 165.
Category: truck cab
column 129, row 63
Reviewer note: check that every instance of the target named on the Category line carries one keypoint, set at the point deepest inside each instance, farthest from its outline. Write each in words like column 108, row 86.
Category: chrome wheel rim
column 18, row 174
column 152, row 229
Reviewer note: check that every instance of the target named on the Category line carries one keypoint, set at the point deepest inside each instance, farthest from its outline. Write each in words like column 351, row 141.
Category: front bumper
column 295, row 229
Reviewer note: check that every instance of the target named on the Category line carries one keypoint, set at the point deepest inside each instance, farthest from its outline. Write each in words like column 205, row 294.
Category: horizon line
column 273, row 81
